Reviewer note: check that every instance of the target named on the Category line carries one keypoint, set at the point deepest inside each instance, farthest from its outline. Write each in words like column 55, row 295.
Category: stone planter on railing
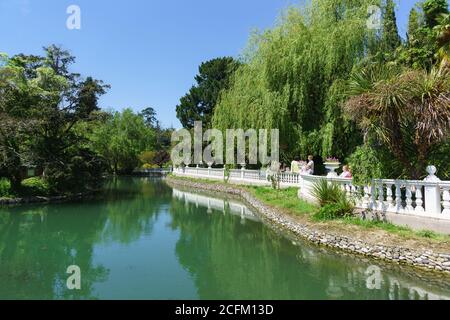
column 332, row 167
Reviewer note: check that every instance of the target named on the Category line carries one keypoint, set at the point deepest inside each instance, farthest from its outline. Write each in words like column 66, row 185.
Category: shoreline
column 425, row 260
column 43, row 200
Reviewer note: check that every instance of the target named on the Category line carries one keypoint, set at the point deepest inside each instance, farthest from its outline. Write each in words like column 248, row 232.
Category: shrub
column 147, row 157
column 157, row 158
column 35, row 187
column 333, row 201
column 331, row 211
column 366, row 165
column 327, row 193
column 5, row 188
column 82, row 172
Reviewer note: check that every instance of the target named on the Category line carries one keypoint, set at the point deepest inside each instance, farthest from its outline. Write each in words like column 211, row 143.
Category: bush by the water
column 333, row 201
column 5, row 188
column 35, row 187
column 334, row 211
column 327, row 193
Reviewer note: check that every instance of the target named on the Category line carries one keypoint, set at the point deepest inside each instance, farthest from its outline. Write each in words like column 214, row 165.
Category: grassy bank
column 288, row 200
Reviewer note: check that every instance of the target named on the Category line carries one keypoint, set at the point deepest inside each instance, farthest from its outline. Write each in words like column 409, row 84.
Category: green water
column 144, row 240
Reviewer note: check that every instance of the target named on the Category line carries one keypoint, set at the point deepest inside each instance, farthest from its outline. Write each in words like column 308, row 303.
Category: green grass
column 200, row 180
column 283, row 198
column 392, row 228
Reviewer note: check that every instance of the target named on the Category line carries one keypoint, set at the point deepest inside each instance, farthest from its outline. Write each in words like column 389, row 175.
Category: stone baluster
column 389, row 197
column 348, row 190
column 373, row 197
column 419, row 199
column 366, row 198
column 353, row 191
column 446, row 200
column 409, row 207
column 358, row 196
column 398, row 198
column 381, row 196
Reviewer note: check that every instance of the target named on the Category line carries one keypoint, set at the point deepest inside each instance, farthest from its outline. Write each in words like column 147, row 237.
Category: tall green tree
column 44, row 99
column 413, row 25
column 121, row 139
column 160, row 156
column 443, row 38
column 293, row 78
column 198, row 104
column 150, row 119
column 423, row 42
column 391, row 39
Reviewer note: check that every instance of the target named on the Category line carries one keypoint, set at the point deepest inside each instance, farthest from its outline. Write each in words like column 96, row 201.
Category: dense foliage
column 293, row 79
column 198, row 104
column 50, row 120
column 41, row 102
column 121, row 138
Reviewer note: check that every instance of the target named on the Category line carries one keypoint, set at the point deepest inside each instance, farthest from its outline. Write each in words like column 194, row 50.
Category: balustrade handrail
column 412, row 182
column 315, row 177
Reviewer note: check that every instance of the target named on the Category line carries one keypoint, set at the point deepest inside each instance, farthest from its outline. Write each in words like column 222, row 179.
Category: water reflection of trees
column 133, row 206
column 36, row 248
column 231, row 260
column 38, row 243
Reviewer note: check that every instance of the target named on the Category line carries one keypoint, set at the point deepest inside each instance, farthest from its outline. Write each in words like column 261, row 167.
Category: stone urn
column 332, row 167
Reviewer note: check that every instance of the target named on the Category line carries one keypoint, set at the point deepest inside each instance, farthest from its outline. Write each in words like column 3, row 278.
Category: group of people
column 304, row 167
column 307, row 167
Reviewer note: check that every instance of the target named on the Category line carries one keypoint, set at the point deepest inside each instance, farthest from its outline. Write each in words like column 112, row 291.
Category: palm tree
column 443, row 37
column 407, row 110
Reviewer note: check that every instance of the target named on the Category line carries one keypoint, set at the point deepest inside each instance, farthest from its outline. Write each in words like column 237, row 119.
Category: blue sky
column 147, row 50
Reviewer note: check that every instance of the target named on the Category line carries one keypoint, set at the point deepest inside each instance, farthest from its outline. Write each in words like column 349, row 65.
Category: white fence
column 429, row 198
column 243, row 176
column 153, row 172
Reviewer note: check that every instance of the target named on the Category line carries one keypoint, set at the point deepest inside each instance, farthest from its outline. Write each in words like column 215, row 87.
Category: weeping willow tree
column 294, row 76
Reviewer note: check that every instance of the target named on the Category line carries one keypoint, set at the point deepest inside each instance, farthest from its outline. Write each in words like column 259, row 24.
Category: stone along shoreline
column 425, row 259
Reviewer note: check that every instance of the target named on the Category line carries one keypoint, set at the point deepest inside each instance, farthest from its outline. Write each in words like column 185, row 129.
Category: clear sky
column 147, row 50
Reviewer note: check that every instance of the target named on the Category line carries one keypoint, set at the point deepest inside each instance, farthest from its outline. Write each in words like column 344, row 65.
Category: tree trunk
column 16, row 183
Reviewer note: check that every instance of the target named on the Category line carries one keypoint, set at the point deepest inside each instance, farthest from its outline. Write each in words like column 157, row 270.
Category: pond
column 144, row 240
